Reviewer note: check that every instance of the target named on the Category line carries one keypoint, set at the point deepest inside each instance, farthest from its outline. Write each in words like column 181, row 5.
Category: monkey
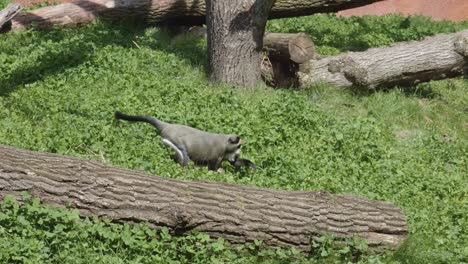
column 191, row 144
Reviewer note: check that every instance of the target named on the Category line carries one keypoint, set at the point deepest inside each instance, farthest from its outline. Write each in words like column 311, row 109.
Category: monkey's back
column 201, row 146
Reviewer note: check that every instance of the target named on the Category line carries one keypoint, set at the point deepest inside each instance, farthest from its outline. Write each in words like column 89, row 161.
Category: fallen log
column 188, row 12
column 238, row 213
column 8, row 13
column 406, row 63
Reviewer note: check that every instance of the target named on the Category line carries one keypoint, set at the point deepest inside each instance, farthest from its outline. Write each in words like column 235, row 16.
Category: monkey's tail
column 153, row 121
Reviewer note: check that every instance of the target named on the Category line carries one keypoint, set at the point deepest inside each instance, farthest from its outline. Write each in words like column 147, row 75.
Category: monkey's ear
column 234, row 139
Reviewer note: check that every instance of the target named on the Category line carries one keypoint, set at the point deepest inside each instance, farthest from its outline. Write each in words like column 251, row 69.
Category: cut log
column 406, row 63
column 8, row 13
column 238, row 213
column 297, row 47
column 285, row 52
column 189, row 12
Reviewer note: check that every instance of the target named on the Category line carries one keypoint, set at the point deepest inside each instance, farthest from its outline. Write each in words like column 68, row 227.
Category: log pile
column 291, row 60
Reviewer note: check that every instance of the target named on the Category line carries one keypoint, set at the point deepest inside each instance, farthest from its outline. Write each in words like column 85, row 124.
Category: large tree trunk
column 187, row 12
column 405, row 63
column 235, row 32
column 235, row 212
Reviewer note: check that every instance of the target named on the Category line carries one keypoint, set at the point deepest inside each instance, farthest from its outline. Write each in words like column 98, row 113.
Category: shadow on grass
column 78, row 45
column 423, row 91
column 74, row 53
column 48, row 63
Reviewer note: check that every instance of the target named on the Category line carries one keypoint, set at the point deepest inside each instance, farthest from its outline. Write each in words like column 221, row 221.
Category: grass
column 59, row 89
column 4, row 3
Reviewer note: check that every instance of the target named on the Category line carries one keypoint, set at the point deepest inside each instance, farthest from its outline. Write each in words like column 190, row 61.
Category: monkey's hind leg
column 181, row 154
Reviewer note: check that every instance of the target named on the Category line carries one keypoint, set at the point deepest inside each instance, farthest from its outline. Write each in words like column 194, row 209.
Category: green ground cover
column 409, row 146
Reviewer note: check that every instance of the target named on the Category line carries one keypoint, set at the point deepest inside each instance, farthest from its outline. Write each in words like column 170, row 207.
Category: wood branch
column 238, row 213
column 189, row 12
column 407, row 63
column 8, row 13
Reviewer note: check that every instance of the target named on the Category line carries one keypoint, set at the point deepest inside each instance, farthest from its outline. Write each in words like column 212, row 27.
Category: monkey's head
column 234, row 143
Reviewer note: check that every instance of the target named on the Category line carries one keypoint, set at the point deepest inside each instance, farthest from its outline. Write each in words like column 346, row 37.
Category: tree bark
column 189, row 12
column 8, row 13
column 406, row 63
column 238, row 213
column 235, row 32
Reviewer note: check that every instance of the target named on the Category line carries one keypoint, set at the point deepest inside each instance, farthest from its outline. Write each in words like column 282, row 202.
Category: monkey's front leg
column 214, row 164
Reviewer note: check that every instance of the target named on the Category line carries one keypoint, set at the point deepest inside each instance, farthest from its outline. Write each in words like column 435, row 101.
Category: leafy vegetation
column 33, row 233
column 59, row 89
column 4, row 3
column 337, row 34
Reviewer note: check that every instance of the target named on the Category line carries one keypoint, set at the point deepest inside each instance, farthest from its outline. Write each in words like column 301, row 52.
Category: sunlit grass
column 60, row 88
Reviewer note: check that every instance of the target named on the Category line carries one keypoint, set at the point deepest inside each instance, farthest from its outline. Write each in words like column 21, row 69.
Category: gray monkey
column 203, row 148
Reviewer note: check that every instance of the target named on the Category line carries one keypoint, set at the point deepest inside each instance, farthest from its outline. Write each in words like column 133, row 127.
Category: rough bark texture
column 407, row 63
column 235, row 32
column 235, row 212
column 188, row 12
column 8, row 13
